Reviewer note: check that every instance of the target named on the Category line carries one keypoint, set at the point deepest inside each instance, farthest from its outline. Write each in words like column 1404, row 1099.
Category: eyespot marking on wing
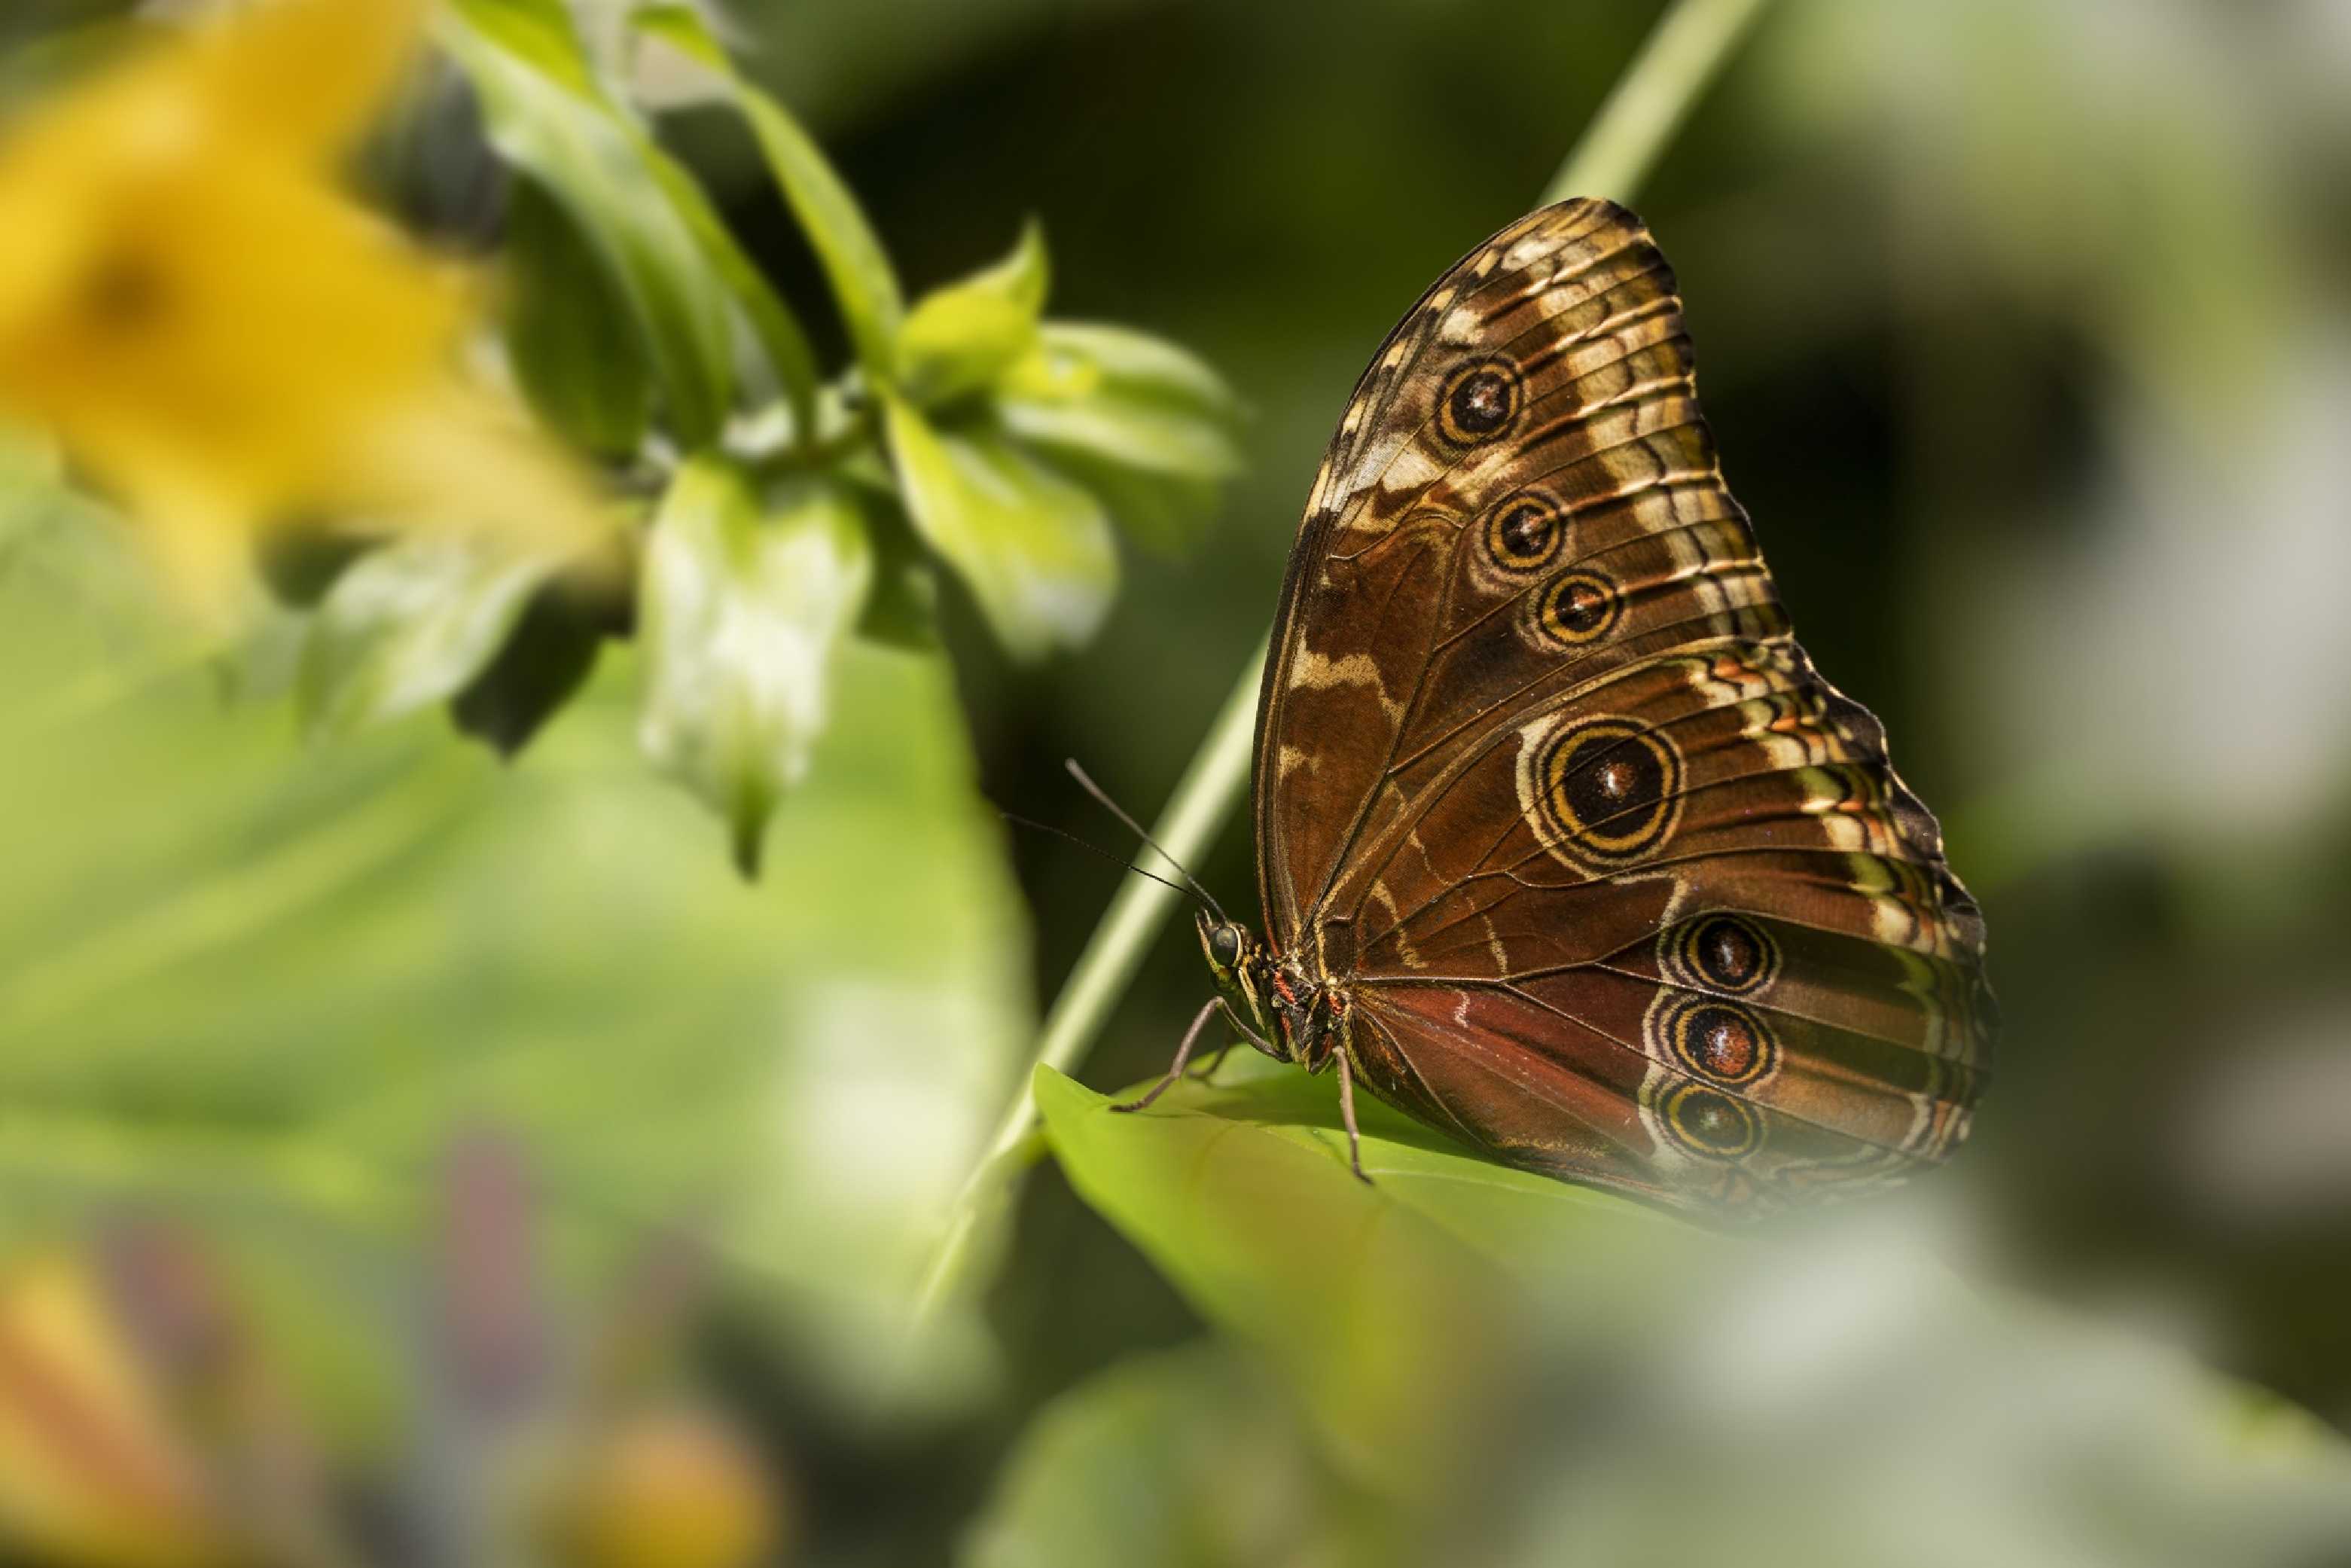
column 1600, row 791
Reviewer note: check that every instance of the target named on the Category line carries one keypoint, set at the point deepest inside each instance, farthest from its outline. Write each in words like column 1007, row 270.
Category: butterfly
column 1565, row 847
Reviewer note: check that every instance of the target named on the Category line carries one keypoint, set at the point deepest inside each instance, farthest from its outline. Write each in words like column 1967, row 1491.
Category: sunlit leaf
column 1832, row 1373
column 1521, row 1221
column 1143, row 366
column 1146, row 425
column 53, row 538
column 745, row 601
column 1244, row 1199
column 279, row 996
column 774, row 329
column 1189, row 1457
column 1125, row 398
column 863, row 284
column 1163, row 512
column 546, row 114
column 1034, row 548
column 964, row 336
column 408, row 625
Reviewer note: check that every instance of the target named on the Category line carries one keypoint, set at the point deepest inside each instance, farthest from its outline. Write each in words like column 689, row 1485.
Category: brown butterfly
column 1566, row 848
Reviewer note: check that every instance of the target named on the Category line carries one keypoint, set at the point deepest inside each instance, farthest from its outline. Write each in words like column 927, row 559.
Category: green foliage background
column 2021, row 330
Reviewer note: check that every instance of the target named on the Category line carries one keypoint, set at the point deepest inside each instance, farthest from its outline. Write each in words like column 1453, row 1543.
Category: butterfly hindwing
column 1622, row 887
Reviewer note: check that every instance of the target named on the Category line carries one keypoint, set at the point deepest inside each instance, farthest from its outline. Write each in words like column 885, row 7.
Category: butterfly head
column 1242, row 969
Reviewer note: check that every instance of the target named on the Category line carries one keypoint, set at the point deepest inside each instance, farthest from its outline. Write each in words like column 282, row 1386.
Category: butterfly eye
column 1224, row 946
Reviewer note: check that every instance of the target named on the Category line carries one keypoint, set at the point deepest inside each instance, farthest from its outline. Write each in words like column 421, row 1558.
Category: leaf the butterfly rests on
column 1563, row 844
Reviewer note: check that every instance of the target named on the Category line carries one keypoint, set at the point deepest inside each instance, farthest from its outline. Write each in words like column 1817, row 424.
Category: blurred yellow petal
column 667, row 1490
column 88, row 1470
column 219, row 334
column 309, row 74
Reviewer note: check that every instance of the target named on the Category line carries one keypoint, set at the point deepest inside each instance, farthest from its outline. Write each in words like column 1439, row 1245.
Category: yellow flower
column 666, row 1489
column 90, row 1469
column 214, row 330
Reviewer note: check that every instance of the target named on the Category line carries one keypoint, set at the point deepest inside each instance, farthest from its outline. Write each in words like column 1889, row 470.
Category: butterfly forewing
column 1618, row 886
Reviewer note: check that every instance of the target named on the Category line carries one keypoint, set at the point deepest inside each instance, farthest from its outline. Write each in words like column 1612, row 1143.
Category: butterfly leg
column 1347, row 1115
column 1207, row 1070
column 1182, row 1055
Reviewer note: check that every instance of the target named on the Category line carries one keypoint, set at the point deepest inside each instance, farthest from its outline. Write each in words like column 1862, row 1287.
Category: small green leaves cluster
column 772, row 512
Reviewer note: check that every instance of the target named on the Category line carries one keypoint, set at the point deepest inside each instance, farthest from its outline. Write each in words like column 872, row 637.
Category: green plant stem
column 1647, row 104
column 1616, row 150
column 1204, row 798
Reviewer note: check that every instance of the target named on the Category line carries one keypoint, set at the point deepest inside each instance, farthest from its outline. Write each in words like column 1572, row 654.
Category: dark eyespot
column 1723, row 953
column 1610, row 788
column 1524, row 532
column 1711, row 1123
column 1479, row 402
column 1577, row 608
column 1727, row 1044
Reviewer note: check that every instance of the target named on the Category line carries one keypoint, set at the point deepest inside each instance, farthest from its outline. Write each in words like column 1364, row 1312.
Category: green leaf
column 1243, row 1197
column 1146, row 425
column 1804, row 1372
column 1185, row 1458
column 745, row 606
column 903, row 609
column 963, row 337
column 56, row 538
column 261, row 987
column 545, row 662
column 1034, row 548
column 546, row 114
column 408, row 625
column 863, row 284
column 299, row 565
column 1161, row 510
column 776, row 331
column 32, row 481
column 1516, row 1219
column 578, row 355
column 1144, row 366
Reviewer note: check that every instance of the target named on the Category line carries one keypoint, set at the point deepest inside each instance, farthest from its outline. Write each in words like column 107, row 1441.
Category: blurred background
column 2024, row 328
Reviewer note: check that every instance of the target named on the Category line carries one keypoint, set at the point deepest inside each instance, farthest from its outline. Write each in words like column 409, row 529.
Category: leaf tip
column 749, row 834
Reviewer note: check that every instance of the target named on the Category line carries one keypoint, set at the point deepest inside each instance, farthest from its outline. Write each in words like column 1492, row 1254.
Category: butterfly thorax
column 1292, row 1013
column 1312, row 1010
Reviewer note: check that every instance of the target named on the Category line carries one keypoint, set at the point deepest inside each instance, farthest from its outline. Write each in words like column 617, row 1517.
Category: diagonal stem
column 1649, row 101
column 1616, row 150
column 1204, row 798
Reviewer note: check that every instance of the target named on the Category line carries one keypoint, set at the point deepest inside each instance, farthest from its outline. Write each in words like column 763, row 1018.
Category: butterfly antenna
column 1092, row 847
column 1091, row 788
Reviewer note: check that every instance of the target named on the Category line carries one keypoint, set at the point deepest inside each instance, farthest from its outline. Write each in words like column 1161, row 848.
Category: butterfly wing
column 1620, row 886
